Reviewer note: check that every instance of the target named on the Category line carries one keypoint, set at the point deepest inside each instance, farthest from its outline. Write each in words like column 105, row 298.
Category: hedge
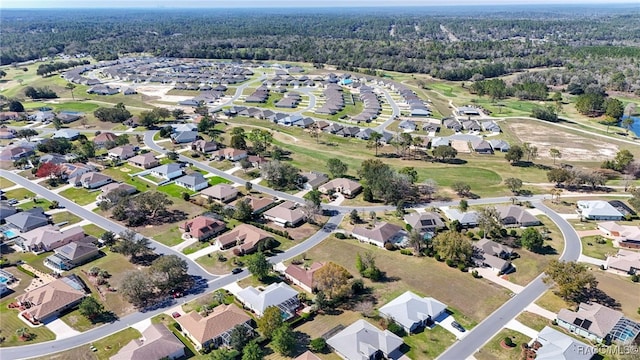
column 26, row 271
column 282, row 233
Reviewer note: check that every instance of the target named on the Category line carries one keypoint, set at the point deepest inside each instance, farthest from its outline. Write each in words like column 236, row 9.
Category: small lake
column 636, row 124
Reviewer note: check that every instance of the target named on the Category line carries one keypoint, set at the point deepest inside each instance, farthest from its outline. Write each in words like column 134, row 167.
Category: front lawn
column 429, row 343
column 93, row 230
column 170, row 237
column 4, row 183
column 43, row 203
column 494, row 351
column 80, row 196
column 175, row 190
column 107, row 347
column 534, row 321
column 19, row 194
column 65, row 217
column 592, row 246
column 218, row 180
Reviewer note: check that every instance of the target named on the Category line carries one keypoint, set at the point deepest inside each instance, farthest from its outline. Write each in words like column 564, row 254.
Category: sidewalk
column 493, row 277
column 522, row 328
column 208, row 250
column 590, row 260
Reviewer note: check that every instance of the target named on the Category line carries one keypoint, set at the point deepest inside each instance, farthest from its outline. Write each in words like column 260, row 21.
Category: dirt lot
column 461, row 145
column 573, row 147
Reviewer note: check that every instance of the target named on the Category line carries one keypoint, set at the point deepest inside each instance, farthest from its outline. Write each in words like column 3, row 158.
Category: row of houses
column 333, row 100
column 472, row 125
column 476, row 143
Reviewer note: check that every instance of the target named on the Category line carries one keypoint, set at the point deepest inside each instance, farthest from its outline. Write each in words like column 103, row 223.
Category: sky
column 272, row 3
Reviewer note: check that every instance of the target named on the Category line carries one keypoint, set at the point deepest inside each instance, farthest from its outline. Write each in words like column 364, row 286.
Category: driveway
column 61, row 329
column 446, row 323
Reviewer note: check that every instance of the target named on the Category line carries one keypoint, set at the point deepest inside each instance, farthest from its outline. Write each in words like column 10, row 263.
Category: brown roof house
column 491, row 254
column 214, row 329
column 230, row 154
column 144, row 161
column 625, row 262
column 48, row 238
column 204, row 146
column 109, row 190
column 380, row 234
column 346, row 187
column 424, row 222
column 303, row 276
column 307, row 355
column 202, row 227
column 512, row 215
column 123, row 152
column 285, row 214
column 220, row 192
column 314, row 179
column 50, row 300
column 257, row 204
column 157, row 342
column 244, row 237
column 599, row 323
column 103, row 138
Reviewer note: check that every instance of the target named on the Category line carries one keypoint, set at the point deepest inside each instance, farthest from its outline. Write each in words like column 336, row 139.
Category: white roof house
column 469, row 218
column 558, row 346
column 598, row 210
column 276, row 294
column 412, row 311
column 362, row 341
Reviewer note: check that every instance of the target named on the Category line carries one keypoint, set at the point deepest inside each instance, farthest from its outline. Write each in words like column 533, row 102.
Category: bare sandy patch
column 573, row 147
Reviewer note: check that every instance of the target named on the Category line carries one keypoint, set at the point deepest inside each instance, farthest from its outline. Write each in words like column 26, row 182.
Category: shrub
column 26, row 271
column 513, row 232
column 635, row 278
column 470, row 234
column 340, row 236
column 318, row 344
column 395, row 328
column 475, row 274
column 357, row 286
column 450, row 263
column 438, row 257
column 389, row 246
column 508, row 341
column 481, row 233
column 462, row 267
column 406, row 252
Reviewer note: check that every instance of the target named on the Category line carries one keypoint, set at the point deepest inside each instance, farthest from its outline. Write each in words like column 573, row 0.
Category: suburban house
column 215, row 328
column 285, row 214
column 626, row 235
column 413, row 312
column 48, row 301
column 90, row 180
column 258, row 204
column 117, row 188
column 516, row 216
column 7, row 133
column 279, row 295
column 307, row 355
column 220, row 192
column 492, row 254
column 167, row 171
column 202, row 227
column 346, row 187
column 303, row 276
column 363, row 341
column 624, row 262
column 145, row 161
column 555, row 345
column 598, row 210
column 380, row 234
column 230, row 154
column 28, row 220
column 244, row 237
column 76, row 169
column 499, row 145
column 13, row 153
column 73, row 254
column 157, row 342
column 204, row 146
column 194, row 182
column 598, row 323
column 6, row 210
column 69, row 134
column 481, row 146
column 314, row 179
column 123, row 152
column 47, row 238
column 184, row 137
column 427, row 222
column 103, row 138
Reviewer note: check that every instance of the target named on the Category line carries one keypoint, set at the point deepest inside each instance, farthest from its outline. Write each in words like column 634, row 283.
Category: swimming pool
column 3, row 279
column 10, row 234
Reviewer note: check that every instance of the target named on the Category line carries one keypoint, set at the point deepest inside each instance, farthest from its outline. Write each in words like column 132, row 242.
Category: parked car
column 12, row 201
column 175, row 314
column 458, row 327
column 236, row 270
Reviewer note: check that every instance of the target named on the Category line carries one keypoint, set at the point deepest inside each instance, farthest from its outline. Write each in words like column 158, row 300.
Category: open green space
column 4, row 183
column 43, row 203
column 429, row 344
column 65, row 217
column 175, row 190
column 19, row 194
column 93, row 230
column 217, row 180
column 494, row 351
column 80, row 196
column 592, row 246
column 170, row 237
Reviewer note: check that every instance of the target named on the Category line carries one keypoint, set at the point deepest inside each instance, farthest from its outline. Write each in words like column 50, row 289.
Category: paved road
column 312, row 99
column 490, row 326
column 194, row 269
column 396, row 112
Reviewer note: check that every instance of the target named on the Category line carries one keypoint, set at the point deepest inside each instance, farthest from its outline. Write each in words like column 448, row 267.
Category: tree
column 530, row 150
column 354, row 217
column 318, row 344
column 315, row 196
column 130, row 244
column 613, row 108
column 220, row 353
column 252, row 351
column 462, row 189
column 70, row 87
column 463, row 205
column 169, row 274
column 514, row 184
column 57, row 124
column 137, row 288
column 555, row 154
column 333, row 280
column 410, row 173
column 153, row 203
column 148, row 119
column 281, row 175
column 531, row 239
column 445, row 152
column 27, row 133
column 283, row 340
column 239, row 337
column 238, row 138
column 590, row 104
column 49, row 170
column 377, row 175
column 122, row 140
column 570, row 279
column 453, row 246
column 311, row 211
column 16, row 106
column 258, row 265
column 108, row 238
column 243, row 211
column 558, row 176
column 370, row 270
column 336, row 168
column 623, row 159
column 270, row 321
column 177, row 113
column 416, row 241
column 489, row 220
column 88, row 149
column 260, row 140
column 91, row 308
column 627, row 123
column 514, row 154
column 375, row 141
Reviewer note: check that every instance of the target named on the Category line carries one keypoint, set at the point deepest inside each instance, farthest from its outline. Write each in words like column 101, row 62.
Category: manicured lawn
column 591, row 247
column 169, row 237
column 494, row 351
column 429, row 343
column 552, row 302
column 533, row 321
column 93, row 230
column 622, row 290
column 107, row 347
column 195, row 247
column 31, row 204
column 457, row 289
column 65, row 216
column 80, row 196
column 4, row 183
column 217, row 180
column 77, row 321
column 19, row 194
column 175, row 190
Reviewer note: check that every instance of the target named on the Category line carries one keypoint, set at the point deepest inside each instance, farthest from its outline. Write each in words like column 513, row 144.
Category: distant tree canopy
column 117, row 114
column 40, row 93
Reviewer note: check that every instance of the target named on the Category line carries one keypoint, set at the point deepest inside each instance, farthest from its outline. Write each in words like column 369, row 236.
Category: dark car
column 175, row 314
column 458, row 327
column 236, row 270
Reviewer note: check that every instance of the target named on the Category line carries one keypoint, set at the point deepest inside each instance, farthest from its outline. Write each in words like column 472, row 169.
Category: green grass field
column 19, row 194
column 65, row 217
column 93, row 230
column 170, row 237
column 217, row 180
column 494, row 351
column 80, row 196
column 175, row 190
column 590, row 247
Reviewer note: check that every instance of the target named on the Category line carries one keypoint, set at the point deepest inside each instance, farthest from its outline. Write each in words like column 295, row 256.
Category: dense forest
column 591, row 43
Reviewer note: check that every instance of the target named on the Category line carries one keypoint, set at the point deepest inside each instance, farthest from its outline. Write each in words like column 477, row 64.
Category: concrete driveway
column 61, row 329
column 446, row 323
